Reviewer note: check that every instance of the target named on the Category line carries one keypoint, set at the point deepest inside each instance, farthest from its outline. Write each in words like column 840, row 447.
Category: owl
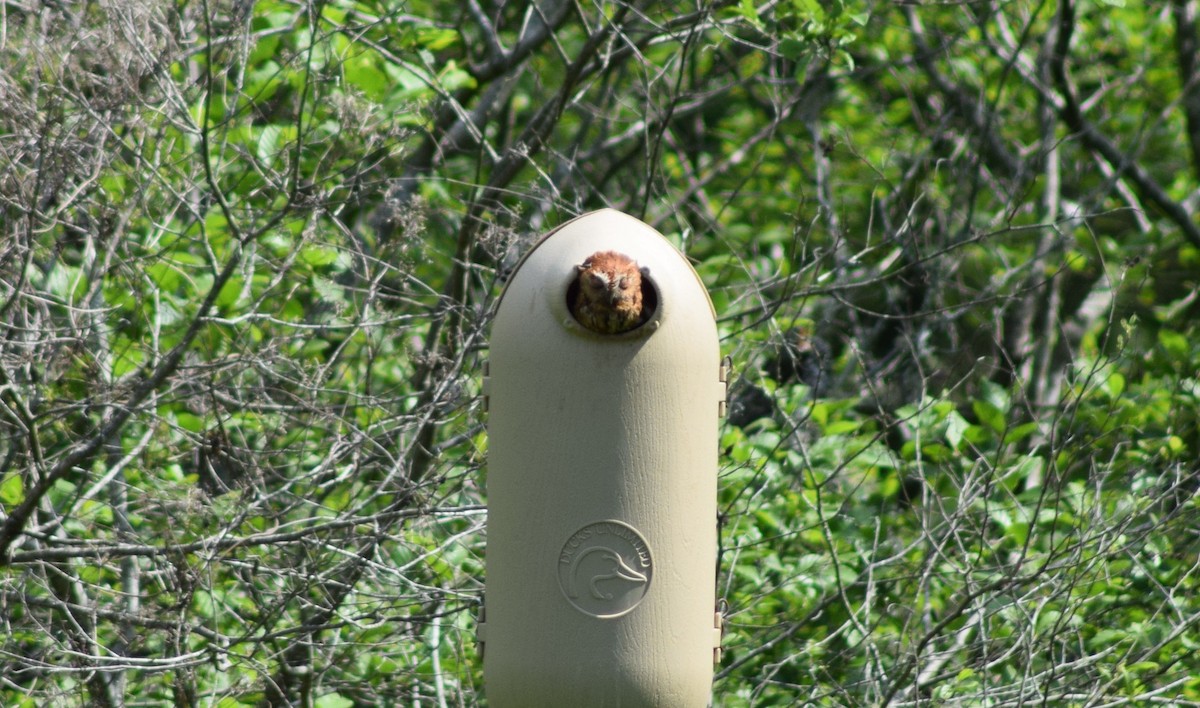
column 607, row 294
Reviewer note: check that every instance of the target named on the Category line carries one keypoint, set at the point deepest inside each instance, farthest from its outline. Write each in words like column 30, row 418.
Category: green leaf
column 363, row 74
column 989, row 415
column 339, row 499
column 231, row 292
column 268, row 143
column 453, row 78
column 841, row 427
column 1028, row 466
column 749, row 12
column 878, row 456
column 165, row 275
column 956, row 426
column 794, row 48
column 127, row 361
column 936, row 452
column 437, row 38
column 187, row 420
column 333, row 700
column 318, row 256
column 12, row 489
column 1115, row 384
column 1020, row 432
column 1175, row 344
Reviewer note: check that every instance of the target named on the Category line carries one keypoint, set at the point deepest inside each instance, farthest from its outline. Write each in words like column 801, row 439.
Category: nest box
column 602, row 484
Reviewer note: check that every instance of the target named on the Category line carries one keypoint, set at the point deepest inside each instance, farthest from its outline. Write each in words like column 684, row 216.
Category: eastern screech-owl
column 609, row 298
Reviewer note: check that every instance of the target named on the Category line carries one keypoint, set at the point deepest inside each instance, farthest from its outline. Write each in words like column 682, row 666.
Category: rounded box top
column 670, row 285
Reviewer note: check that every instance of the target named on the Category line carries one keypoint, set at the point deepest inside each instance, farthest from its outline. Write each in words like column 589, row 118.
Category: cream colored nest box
column 602, row 484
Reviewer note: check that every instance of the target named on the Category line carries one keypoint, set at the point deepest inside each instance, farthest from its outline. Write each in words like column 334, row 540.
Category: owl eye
column 623, row 283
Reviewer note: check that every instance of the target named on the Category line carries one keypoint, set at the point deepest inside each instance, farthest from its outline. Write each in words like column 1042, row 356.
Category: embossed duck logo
column 604, row 564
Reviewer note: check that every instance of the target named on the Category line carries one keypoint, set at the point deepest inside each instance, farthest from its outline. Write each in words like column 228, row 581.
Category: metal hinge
column 481, row 630
column 486, row 384
column 723, row 376
column 718, row 633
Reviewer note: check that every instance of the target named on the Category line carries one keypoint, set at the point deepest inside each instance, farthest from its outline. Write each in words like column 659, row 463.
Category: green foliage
column 250, row 251
column 977, row 557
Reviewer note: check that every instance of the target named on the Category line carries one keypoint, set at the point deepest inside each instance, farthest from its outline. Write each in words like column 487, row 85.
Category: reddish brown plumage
column 608, row 299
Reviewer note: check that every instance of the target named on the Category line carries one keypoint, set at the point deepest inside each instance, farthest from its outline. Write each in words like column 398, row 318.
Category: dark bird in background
column 748, row 403
column 218, row 470
column 802, row 356
column 607, row 296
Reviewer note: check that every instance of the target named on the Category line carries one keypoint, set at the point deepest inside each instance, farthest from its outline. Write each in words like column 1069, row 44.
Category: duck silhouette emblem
column 620, row 570
column 605, row 569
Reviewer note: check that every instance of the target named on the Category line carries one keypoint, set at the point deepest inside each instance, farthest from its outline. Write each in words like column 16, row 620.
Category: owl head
column 611, row 279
